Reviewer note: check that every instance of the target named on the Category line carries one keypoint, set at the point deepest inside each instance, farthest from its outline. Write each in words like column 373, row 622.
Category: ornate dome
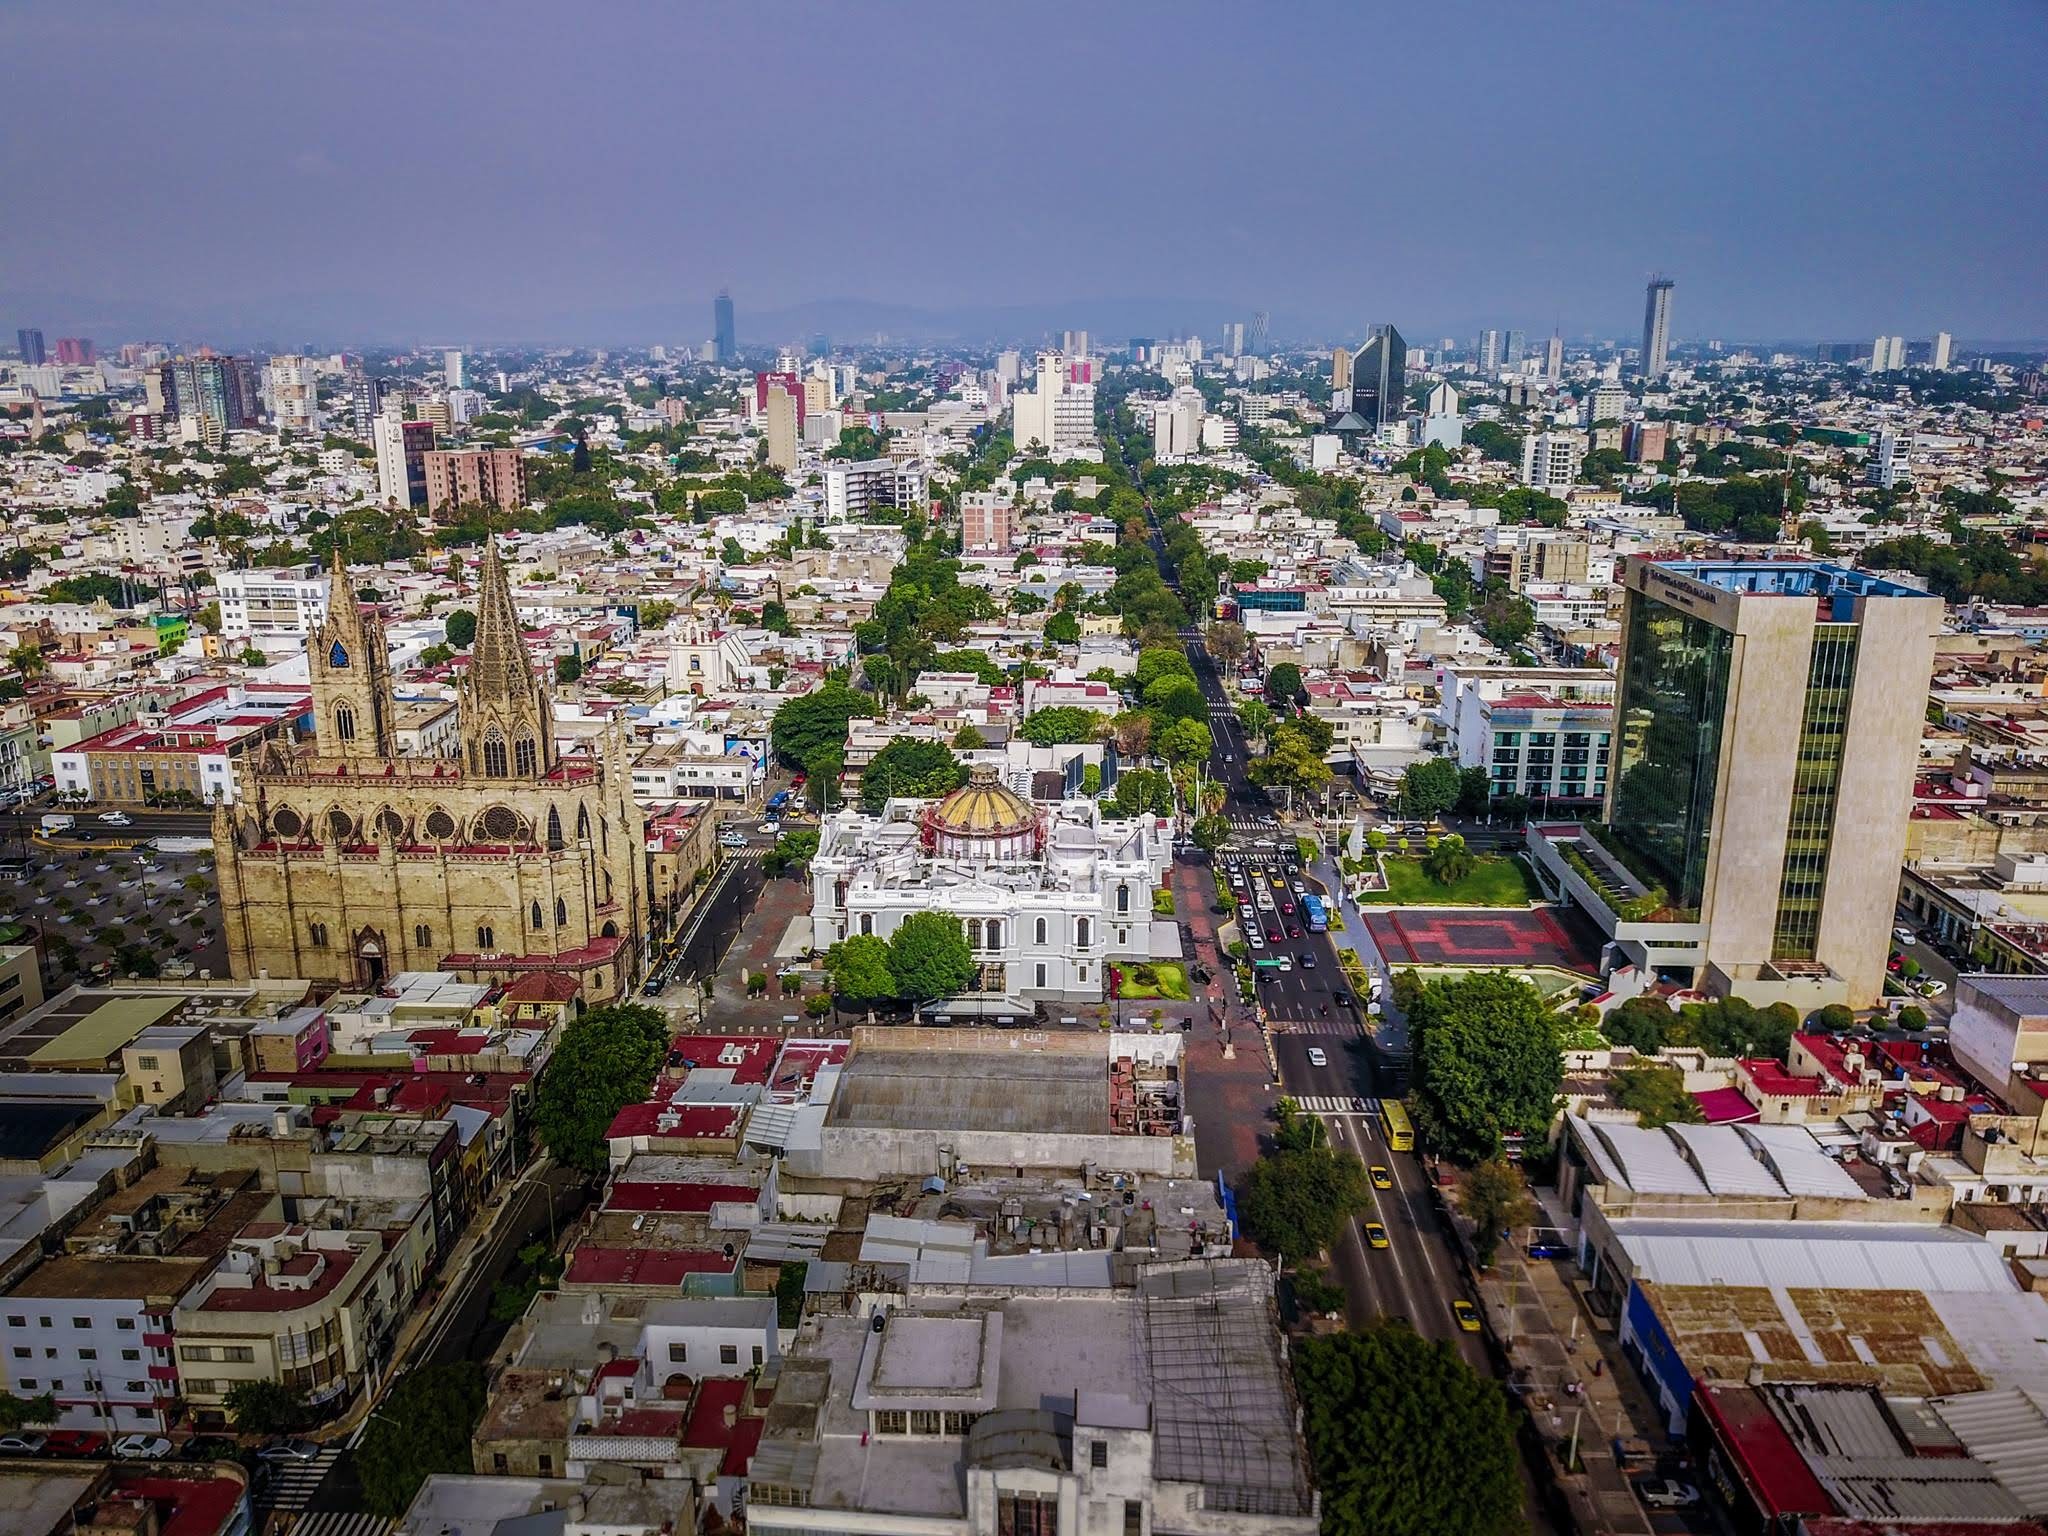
column 983, row 818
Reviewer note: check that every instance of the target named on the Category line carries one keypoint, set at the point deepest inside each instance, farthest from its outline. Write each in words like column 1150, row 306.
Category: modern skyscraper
column 1340, row 368
column 75, row 351
column 782, row 421
column 28, row 341
column 1937, row 357
column 1656, row 327
column 1772, row 810
column 1517, row 348
column 294, row 394
column 1553, row 359
column 402, row 449
column 454, row 372
column 724, row 337
column 1379, row 378
column 366, row 400
column 1488, row 348
column 1888, row 354
column 217, row 394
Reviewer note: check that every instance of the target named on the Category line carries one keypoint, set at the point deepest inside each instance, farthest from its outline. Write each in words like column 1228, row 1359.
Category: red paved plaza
column 1444, row 936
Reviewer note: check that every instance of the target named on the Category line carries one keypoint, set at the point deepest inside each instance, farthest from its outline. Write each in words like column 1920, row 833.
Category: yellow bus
column 1394, row 1124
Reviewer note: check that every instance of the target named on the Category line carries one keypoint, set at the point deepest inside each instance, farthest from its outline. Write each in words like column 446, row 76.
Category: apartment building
column 474, row 477
column 986, row 523
column 852, row 490
column 1540, row 732
column 281, row 605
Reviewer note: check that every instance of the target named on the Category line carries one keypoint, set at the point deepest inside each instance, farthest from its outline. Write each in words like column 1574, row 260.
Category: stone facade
column 345, row 862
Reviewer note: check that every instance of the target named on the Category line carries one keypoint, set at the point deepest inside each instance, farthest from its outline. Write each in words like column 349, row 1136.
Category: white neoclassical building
column 1050, row 893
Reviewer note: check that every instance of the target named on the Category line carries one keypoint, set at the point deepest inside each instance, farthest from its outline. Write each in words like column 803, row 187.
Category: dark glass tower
column 1379, row 377
column 724, row 346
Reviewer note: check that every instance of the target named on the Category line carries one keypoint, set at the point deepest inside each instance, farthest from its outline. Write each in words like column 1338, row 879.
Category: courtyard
column 104, row 911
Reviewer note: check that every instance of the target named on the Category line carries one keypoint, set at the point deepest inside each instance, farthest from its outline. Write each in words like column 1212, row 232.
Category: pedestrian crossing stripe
column 1336, row 1029
column 343, row 1522
column 1331, row 1104
column 293, row 1483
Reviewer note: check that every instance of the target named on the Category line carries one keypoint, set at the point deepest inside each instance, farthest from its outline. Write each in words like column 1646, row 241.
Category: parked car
column 75, row 1442
column 142, row 1447
column 290, row 1450
column 1905, row 935
column 25, row 1444
column 116, row 818
column 1667, row 1493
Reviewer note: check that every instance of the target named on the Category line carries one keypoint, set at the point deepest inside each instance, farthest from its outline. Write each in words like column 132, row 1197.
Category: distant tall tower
column 453, row 372
column 1379, row 377
column 1656, row 327
column 28, row 341
column 1938, row 351
column 724, row 343
column 1340, row 368
column 1553, row 359
column 1261, row 323
column 1488, row 348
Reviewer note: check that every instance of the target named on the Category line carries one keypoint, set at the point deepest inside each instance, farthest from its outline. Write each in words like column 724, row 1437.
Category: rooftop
column 1787, row 578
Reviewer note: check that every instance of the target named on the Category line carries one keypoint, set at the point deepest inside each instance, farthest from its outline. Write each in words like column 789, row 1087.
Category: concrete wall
column 877, row 1153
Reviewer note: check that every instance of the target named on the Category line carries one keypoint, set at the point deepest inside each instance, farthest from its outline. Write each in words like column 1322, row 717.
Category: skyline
column 480, row 174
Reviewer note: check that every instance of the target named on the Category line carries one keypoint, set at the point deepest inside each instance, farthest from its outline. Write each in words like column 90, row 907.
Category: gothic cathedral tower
column 508, row 716
column 350, row 667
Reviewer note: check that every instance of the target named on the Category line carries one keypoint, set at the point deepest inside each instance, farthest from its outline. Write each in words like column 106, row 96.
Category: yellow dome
column 984, row 807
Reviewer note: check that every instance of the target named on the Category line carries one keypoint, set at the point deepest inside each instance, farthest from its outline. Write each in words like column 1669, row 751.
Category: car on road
column 1932, row 988
column 142, row 1448
column 1341, row 999
column 1667, row 1493
column 1381, row 1179
column 1305, row 960
column 1467, row 1316
column 1375, row 1235
column 769, row 828
column 732, row 839
column 1905, row 935
column 1253, row 937
column 1300, row 889
column 290, row 1450
column 74, row 1442
column 30, row 1444
column 116, row 818
column 1294, row 930
column 1287, row 906
column 1317, row 1057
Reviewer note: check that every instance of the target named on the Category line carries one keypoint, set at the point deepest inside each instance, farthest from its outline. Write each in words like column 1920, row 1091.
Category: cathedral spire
column 499, row 662
column 508, row 718
column 350, row 670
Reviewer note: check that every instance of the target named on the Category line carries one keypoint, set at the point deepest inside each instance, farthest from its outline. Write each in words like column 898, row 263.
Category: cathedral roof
column 499, row 665
column 984, row 807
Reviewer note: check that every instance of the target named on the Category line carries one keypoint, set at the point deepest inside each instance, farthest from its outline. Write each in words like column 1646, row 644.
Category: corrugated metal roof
column 2007, row 1430
column 1798, row 1162
column 1762, row 1254
column 1725, row 1161
column 1649, row 1161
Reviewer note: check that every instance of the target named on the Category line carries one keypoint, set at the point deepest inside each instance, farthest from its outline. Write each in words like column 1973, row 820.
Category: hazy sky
column 597, row 170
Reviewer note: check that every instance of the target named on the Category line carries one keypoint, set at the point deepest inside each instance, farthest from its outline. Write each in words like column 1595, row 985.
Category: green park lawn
column 1494, row 882
column 1169, row 982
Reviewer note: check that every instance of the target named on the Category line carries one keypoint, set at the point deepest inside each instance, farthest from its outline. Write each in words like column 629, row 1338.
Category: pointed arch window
column 561, row 913
column 554, row 827
column 525, row 759
column 582, row 821
column 1081, row 932
column 344, row 723
column 486, row 940
column 1038, row 931
column 533, row 916
column 494, row 755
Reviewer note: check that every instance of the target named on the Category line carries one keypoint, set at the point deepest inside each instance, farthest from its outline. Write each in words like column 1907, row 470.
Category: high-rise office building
column 294, row 393
column 1340, row 368
column 454, row 371
column 1762, row 767
column 402, row 449
column 1553, row 359
column 28, row 341
column 1074, row 343
column 1656, row 327
column 1488, row 348
column 1060, row 413
column 366, row 400
column 216, row 395
column 1517, row 348
column 782, row 421
column 1937, row 356
column 75, row 352
column 724, row 335
column 1379, row 378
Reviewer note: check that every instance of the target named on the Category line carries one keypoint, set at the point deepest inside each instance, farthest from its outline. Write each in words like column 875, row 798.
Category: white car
column 771, row 828
column 1663, row 1493
column 1905, row 935
column 1317, row 1057
column 1256, row 939
column 115, row 818
column 1932, row 988
column 142, row 1447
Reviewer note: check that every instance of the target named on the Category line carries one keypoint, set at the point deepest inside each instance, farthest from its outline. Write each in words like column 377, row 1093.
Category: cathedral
column 343, row 862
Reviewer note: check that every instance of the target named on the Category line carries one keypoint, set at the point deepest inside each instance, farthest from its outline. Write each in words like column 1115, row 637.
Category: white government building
column 1050, row 893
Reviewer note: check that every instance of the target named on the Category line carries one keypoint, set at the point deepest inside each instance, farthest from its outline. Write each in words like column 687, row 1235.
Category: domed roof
column 984, row 807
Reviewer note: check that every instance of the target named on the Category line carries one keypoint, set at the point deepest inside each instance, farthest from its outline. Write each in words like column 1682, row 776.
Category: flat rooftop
column 1788, row 578
column 940, row 1080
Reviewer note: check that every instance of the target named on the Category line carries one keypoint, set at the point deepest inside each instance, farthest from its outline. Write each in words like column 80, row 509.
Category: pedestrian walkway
column 1334, row 1028
column 292, row 1484
column 343, row 1522
column 1327, row 1104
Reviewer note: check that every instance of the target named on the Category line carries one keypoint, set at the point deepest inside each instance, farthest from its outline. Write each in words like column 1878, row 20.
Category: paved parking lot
column 117, row 906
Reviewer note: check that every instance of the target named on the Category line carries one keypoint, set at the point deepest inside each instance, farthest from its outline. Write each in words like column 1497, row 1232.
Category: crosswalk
column 292, row 1484
column 343, row 1522
column 1334, row 1028
column 1330, row 1104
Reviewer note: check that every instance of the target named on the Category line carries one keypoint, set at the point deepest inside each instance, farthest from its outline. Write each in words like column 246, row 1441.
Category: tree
column 969, row 738
column 1291, row 763
column 1256, row 716
column 1429, row 788
column 208, row 618
column 1494, row 1199
column 1641, row 1023
column 1132, row 732
column 568, row 668
column 1506, row 619
column 262, row 1407
column 1912, row 1017
column 1227, row 642
column 1296, row 1200
column 605, row 1060
column 1475, row 791
column 422, row 1427
column 28, row 660
column 1407, row 1439
column 655, row 614
column 929, row 958
column 1211, row 832
column 1657, row 1095
column 815, row 722
column 1174, row 697
column 1449, row 861
column 1185, row 741
column 859, row 970
column 1283, row 684
column 1063, row 629
column 1061, row 724
column 910, row 768
column 16, row 1412
column 1487, row 1063
column 1831, row 1020
column 461, row 627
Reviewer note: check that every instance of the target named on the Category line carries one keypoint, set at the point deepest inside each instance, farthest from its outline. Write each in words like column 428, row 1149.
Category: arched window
column 554, row 827
column 535, row 922
column 422, row 936
column 317, row 932
column 525, row 760
column 561, row 913
column 993, row 934
column 973, row 926
column 1081, row 934
column 494, row 755
column 610, row 931
column 1123, row 898
column 344, row 723
column 582, row 821
column 1038, row 931
column 486, row 940
column 607, row 889
column 867, row 924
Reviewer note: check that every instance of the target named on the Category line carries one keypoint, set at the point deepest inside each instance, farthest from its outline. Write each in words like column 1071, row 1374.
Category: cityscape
column 705, row 860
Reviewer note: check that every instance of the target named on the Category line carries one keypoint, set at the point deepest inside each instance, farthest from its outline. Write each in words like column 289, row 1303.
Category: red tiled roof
column 543, row 987
column 1765, row 1455
column 1724, row 1106
column 1771, row 1078
column 658, row 1195
column 691, row 1122
column 590, row 1265
column 752, row 1056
